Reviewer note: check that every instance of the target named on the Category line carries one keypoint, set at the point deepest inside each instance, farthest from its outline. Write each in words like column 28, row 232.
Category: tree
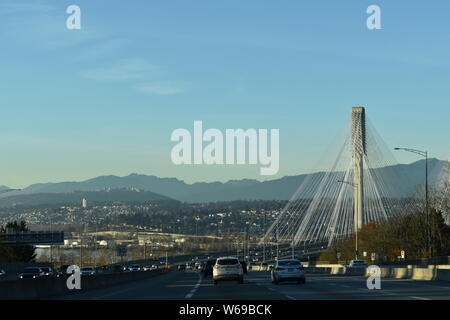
column 25, row 253
column 389, row 238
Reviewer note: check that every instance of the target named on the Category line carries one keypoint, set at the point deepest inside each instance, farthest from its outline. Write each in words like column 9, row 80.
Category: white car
column 228, row 268
column 288, row 270
column 87, row 271
column 357, row 264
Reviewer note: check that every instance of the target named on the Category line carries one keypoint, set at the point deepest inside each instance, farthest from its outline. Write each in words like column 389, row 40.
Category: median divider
column 432, row 272
column 47, row 287
column 438, row 272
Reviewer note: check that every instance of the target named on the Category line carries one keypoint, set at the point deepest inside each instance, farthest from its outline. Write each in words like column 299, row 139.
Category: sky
column 76, row 104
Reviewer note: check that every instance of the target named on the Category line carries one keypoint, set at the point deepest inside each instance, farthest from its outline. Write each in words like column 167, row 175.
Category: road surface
column 189, row 285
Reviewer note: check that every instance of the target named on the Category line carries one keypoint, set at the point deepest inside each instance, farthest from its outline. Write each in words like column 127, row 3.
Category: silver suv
column 288, row 270
column 228, row 268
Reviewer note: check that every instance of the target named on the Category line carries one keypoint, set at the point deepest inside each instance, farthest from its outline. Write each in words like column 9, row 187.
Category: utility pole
column 95, row 243
column 293, row 250
column 145, row 248
column 292, row 244
column 427, row 212
column 51, row 244
column 277, row 244
column 427, row 209
column 81, row 250
column 237, row 248
column 264, row 238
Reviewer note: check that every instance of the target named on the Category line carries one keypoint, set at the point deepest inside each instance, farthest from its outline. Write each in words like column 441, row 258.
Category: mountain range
column 105, row 188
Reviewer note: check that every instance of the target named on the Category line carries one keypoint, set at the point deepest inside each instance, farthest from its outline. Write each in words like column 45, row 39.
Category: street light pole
column 277, row 245
column 264, row 238
column 427, row 212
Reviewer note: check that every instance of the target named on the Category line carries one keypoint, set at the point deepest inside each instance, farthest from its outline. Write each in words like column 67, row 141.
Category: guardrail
column 47, row 287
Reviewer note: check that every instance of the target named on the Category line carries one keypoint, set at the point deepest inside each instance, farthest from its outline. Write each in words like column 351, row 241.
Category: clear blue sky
column 76, row 104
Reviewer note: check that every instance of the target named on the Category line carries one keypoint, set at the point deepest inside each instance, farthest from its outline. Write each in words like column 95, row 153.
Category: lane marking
column 195, row 288
column 420, row 298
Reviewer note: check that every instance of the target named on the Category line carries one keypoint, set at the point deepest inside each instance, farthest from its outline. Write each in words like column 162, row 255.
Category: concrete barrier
column 44, row 288
column 433, row 272
column 438, row 272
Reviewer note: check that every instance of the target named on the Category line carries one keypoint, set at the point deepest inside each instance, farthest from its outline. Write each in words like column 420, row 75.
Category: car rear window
column 289, row 263
column 227, row 262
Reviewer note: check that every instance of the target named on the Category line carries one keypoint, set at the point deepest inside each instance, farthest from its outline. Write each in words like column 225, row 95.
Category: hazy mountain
column 408, row 176
column 170, row 187
column 75, row 198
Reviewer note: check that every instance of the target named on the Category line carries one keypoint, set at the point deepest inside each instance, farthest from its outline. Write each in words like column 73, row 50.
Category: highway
column 189, row 285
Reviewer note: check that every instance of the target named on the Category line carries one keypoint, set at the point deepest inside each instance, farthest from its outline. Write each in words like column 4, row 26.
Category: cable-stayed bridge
column 357, row 189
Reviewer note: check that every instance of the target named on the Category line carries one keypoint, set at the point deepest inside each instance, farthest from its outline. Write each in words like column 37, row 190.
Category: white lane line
column 193, row 290
column 420, row 298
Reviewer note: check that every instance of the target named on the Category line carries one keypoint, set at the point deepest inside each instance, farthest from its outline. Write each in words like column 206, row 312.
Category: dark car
column 64, row 268
column 182, row 267
column 207, row 269
column 135, row 267
column 48, row 272
column 117, row 268
column 244, row 266
column 31, row 273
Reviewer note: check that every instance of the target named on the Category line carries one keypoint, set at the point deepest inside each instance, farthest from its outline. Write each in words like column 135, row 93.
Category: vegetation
column 388, row 239
column 16, row 253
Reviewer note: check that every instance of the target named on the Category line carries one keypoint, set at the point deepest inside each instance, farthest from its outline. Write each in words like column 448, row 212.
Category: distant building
column 84, row 203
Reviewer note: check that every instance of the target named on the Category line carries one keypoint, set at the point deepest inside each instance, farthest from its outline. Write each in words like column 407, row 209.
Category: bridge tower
column 358, row 152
